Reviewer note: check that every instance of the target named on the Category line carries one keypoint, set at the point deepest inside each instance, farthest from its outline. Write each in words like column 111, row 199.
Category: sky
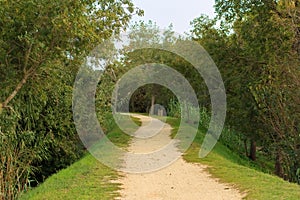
column 178, row 12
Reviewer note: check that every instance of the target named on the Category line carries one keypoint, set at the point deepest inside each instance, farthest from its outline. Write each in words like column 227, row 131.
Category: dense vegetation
column 256, row 47
column 42, row 44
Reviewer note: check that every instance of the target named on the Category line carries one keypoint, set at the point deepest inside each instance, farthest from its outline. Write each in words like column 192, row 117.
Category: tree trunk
column 278, row 164
column 252, row 155
column 132, row 106
column 187, row 112
column 17, row 89
column 14, row 93
column 152, row 105
column 246, row 148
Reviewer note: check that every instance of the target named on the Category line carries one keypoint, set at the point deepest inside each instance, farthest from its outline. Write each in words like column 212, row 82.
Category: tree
column 150, row 34
column 142, row 34
column 42, row 45
column 264, row 46
column 223, row 47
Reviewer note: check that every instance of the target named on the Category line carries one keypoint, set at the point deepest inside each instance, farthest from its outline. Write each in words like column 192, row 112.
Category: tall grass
column 186, row 111
column 18, row 152
column 174, row 109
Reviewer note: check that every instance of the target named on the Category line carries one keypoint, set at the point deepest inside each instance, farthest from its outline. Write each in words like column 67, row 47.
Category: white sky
column 178, row 12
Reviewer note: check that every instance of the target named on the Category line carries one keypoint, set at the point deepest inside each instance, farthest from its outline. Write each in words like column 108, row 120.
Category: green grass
column 85, row 179
column 137, row 121
column 89, row 179
column 230, row 168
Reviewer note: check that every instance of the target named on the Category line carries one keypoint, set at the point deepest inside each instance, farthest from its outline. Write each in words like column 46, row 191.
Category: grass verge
column 230, row 168
column 85, row 179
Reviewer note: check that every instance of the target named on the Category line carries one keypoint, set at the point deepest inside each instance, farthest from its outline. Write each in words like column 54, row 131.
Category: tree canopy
column 42, row 45
column 256, row 46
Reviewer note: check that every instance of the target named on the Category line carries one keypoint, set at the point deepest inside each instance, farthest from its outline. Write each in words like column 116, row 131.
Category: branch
column 27, row 74
column 18, row 87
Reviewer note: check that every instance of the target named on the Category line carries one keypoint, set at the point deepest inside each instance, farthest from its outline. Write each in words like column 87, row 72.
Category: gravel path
column 180, row 180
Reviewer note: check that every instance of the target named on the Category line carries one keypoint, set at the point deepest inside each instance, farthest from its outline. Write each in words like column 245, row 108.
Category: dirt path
column 180, row 180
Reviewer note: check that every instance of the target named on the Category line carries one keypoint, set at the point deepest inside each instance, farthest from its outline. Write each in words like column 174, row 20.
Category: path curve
column 180, row 180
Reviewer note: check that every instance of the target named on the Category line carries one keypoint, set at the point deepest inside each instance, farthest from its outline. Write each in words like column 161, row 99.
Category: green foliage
column 42, row 127
column 259, row 59
column 42, row 45
column 18, row 152
column 174, row 109
column 149, row 34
